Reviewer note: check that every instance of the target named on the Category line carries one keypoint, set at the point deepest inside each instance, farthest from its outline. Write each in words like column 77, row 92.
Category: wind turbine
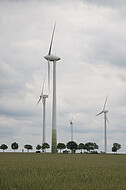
column 104, row 111
column 54, row 59
column 71, row 126
column 43, row 98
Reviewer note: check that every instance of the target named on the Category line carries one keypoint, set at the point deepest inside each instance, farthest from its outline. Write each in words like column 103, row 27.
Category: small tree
column 45, row 146
column 81, row 147
column 114, row 149
column 3, row 147
column 117, row 145
column 38, row 147
column 72, row 146
column 28, row 147
column 14, row 146
column 61, row 146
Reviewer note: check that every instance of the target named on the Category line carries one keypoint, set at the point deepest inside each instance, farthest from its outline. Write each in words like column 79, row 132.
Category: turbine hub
column 52, row 58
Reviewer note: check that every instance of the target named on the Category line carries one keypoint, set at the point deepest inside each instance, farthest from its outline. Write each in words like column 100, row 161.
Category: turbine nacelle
column 52, row 58
column 105, row 111
column 42, row 97
column 45, row 96
column 71, row 121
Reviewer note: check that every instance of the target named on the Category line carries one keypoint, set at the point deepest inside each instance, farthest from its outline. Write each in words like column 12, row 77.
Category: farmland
column 31, row 171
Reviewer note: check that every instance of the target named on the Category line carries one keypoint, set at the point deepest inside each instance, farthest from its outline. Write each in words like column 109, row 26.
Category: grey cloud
column 91, row 43
column 112, row 3
column 16, row 113
column 6, row 131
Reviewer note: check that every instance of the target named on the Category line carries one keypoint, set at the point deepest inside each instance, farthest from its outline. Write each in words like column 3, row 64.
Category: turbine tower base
column 54, row 141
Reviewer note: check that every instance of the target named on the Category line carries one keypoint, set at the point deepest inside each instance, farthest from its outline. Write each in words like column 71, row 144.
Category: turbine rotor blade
column 107, row 119
column 49, row 75
column 99, row 113
column 43, row 87
column 41, row 96
column 105, row 102
column 50, row 48
column 39, row 100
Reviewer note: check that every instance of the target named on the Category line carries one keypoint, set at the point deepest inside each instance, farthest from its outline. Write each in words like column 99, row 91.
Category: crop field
column 31, row 171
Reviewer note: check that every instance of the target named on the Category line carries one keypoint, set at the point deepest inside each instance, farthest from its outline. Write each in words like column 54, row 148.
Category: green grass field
column 31, row 171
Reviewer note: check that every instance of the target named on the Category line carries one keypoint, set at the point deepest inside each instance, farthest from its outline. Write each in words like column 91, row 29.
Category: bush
column 94, row 152
column 38, row 151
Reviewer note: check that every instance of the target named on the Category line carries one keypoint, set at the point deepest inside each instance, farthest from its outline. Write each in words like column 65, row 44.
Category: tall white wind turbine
column 43, row 98
column 54, row 59
column 71, row 128
column 104, row 111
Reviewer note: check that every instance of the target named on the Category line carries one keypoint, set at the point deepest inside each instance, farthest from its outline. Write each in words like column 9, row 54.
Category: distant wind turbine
column 104, row 111
column 71, row 126
column 54, row 59
column 43, row 98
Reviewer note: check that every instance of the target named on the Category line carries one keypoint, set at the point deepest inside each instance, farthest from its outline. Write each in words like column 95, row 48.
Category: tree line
column 89, row 147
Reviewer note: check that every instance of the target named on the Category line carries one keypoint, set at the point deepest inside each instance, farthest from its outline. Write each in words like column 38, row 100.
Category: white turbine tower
column 71, row 126
column 43, row 98
column 54, row 59
column 104, row 111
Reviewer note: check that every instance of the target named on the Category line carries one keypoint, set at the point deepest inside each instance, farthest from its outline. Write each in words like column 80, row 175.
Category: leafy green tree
column 61, row 146
column 14, row 146
column 72, row 146
column 95, row 146
column 3, row 147
column 81, row 147
column 45, row 146
column 114, row 149
column 28, row 147
column 90, row 146
column 117, row 145
column 38, row 147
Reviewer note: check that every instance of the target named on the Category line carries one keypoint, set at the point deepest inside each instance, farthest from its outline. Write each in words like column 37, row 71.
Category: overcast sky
column 90, row 38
